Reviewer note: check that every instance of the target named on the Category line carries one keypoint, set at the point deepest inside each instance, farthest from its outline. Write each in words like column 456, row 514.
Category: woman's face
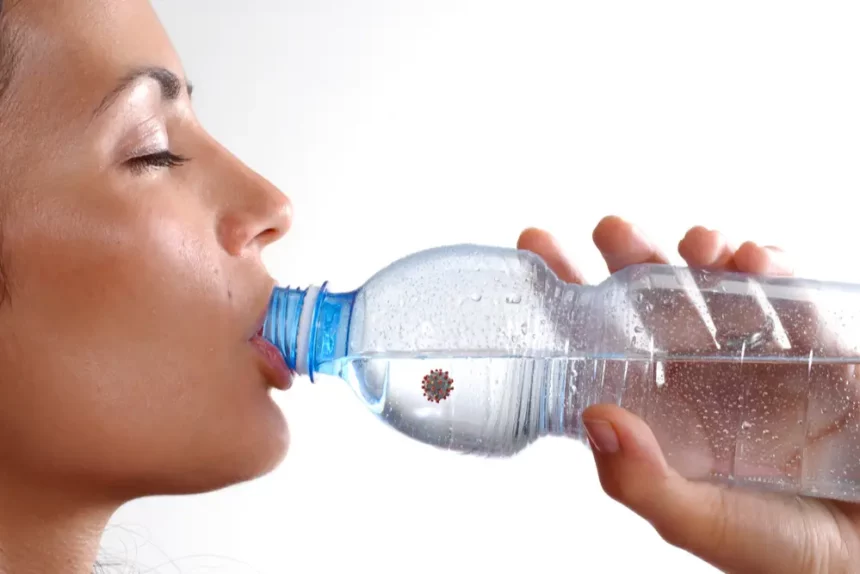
column 133, row 279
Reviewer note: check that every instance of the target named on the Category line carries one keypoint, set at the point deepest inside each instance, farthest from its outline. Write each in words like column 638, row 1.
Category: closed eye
column 161, row 159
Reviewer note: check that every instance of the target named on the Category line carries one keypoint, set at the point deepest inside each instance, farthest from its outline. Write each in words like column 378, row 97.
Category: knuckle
column 671, row 532
column 611, row 487
column 623, row 490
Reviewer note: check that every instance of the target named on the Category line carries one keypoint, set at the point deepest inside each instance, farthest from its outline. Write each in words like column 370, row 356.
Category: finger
column 545, row 245
column 812, row 325
column 728, row 528
column 707, row 248
column 621, row 244
column 769, row 260
column 801, row 320
column 704, row 248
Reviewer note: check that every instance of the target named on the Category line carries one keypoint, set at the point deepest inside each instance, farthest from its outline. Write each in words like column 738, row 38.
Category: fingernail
column 602, row 435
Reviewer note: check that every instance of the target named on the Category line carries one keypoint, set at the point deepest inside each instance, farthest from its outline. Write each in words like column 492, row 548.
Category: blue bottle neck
column 310, row 327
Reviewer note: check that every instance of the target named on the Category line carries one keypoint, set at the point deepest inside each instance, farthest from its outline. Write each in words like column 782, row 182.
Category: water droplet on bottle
column 660, row 375
column 514, row 299
column 638, row 329
column 765, row 431
column 755, row 339
column 524, row 328
column 745, row 425
column 475, row 297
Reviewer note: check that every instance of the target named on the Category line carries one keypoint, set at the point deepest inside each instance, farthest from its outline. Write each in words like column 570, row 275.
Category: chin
column 255, row 451
column 221, row 475
column 256, row 456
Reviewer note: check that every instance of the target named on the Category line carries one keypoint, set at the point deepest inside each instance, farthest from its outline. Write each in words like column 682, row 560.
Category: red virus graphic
column 437, row 385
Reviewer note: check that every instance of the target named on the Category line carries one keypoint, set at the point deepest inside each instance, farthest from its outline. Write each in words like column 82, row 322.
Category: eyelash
column 156, row 160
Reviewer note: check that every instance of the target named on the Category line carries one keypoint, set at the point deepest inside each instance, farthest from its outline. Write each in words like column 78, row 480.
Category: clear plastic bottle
column 744, row 379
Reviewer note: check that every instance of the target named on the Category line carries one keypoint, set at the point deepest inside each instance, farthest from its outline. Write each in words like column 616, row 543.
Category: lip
column 274, row 366
column 272, row 361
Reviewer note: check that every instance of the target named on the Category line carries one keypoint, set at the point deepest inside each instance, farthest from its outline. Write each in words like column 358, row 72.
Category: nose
column 255, row 213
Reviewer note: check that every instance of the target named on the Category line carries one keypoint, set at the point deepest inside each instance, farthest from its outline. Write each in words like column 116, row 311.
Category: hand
column 733, row 529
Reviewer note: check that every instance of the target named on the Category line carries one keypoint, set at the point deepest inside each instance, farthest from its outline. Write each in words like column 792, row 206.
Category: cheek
column 127, row 353
column 117, row 286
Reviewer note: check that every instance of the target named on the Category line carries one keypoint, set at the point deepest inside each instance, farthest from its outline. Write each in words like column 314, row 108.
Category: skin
column 735, row 530
column 133, row 291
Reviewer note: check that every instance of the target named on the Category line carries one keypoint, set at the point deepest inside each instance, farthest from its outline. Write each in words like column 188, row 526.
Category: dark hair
column 8, row 57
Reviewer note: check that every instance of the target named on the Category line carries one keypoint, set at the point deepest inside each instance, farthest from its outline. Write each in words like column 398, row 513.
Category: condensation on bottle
column 745, row 380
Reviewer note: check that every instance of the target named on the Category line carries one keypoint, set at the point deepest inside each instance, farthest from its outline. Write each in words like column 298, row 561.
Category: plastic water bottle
column 744, row 379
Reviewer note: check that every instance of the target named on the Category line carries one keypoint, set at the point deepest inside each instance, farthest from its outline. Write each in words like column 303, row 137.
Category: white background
column 397, row 125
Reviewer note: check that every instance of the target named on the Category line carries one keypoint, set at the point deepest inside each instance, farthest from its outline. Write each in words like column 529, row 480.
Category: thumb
column 732, row 529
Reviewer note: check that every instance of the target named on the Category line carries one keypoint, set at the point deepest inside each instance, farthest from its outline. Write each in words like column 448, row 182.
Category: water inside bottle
column 788, row 424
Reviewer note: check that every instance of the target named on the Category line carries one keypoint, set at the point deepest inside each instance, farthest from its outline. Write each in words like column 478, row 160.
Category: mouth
column 274, row 366
column 272, row 362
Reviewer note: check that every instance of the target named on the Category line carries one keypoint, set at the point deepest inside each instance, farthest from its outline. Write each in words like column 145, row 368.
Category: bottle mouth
column 305, row 332
column 290, row 325
column 281, row 324
column 310, row 327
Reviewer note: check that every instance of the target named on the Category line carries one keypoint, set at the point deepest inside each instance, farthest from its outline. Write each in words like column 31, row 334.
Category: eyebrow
column 170, row 84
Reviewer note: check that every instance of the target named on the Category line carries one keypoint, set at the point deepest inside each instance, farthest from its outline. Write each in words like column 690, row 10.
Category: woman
column 133, row 288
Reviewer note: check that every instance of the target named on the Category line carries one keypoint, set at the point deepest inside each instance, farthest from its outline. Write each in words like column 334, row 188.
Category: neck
column 45, row 529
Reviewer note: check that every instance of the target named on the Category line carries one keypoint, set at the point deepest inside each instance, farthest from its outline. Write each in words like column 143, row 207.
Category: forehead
column 71, row 53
